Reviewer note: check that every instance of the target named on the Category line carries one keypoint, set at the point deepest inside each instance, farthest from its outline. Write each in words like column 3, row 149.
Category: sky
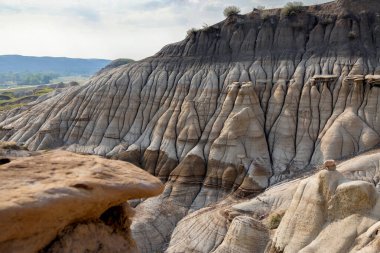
column 108, row 29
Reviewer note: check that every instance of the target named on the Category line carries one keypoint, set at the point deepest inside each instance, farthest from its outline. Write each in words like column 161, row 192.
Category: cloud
column 5, row 8
column 82, row 13
column 107, row 28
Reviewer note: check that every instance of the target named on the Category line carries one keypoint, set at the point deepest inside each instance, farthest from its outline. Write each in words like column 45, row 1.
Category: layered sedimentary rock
column 227, row 112
column 331, row 211
column 63, row 202
column 327, row 214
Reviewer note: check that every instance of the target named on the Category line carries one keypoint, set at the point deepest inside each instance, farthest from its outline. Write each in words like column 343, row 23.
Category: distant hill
column 116, row 63
column 59, row 65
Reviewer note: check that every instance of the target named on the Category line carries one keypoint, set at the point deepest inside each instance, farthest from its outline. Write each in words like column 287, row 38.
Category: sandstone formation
column 332, row 211
column 63, row 202
column 231, row 110
column 327, row 214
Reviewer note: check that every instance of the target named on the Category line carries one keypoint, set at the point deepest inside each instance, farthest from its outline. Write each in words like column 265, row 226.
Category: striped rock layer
column 231, row 110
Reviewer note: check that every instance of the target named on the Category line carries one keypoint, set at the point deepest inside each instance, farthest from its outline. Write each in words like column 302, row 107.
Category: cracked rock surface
column 224, row 114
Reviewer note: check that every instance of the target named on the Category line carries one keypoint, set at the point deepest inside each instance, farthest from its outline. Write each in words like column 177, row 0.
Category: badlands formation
column 237, row 121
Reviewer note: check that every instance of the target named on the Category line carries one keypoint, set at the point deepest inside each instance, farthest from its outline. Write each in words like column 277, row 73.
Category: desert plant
column 191, row 32
column 231, row 10
column 292, row 8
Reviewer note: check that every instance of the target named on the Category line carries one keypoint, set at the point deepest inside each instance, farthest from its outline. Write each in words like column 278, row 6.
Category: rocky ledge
column 55, row 201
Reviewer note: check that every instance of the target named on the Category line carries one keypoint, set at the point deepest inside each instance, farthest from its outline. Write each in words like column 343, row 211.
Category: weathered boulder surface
column 63, row 202
column 229, row 111
column 332, row 211
column 328, row 213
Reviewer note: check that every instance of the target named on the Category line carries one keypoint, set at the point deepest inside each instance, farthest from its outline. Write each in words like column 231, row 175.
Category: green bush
column 231, row 10
column 292, row 8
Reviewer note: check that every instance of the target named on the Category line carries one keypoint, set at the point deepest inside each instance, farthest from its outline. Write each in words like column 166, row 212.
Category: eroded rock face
column 330, row 215
column 230, row 110
column 331, row 211
column 77, row 200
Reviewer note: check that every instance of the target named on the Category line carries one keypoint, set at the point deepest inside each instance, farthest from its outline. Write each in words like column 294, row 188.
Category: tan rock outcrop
column 76, row 200
column 331, row 211
column 243, row 105
column 327, row 214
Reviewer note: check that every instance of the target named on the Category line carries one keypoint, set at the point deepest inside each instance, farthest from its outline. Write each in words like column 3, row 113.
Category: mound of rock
column 329, row 213
column 222, row 115
column 332, row 211
column 63, row 202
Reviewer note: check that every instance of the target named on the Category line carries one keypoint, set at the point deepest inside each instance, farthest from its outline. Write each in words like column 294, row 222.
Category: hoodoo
column 231, row 117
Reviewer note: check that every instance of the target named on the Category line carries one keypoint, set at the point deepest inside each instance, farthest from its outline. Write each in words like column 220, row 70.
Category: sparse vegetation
column 275, row 220
column 10, row 145
column 292, row 8
column 191, row 32
column 43, row 91
column 18, row 97
column 231, row 10
column 10, row 107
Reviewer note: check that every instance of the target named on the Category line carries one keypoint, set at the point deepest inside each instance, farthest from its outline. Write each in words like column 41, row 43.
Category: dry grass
column 274, row 219
column 231, row 10
column 292, row 8
column 191, row 32
column 10, row 145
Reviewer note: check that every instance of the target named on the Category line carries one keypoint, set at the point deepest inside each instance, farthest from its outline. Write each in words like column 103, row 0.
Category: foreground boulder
column 64, row 202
